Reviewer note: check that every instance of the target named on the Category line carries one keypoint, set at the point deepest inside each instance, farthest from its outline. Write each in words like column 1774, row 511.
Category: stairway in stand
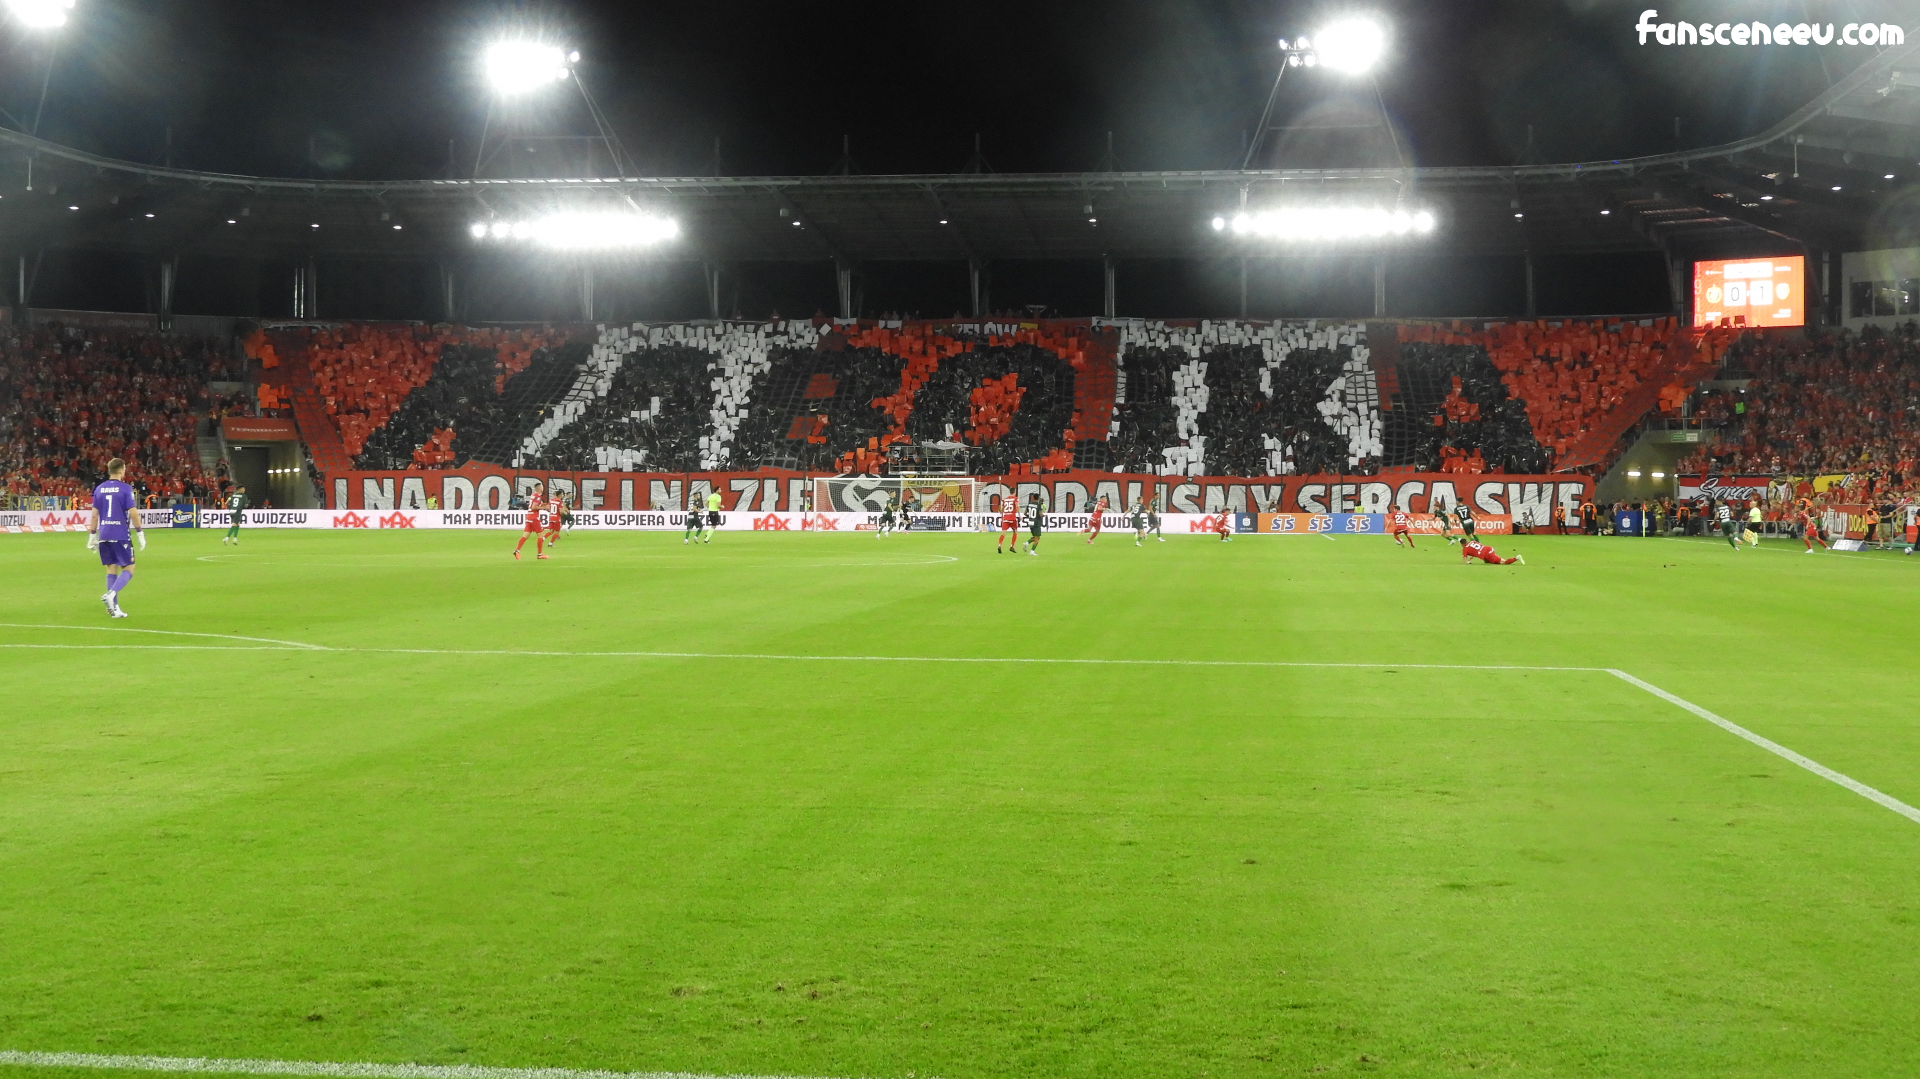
column 309, row 410
column 1597, row 442
column 1094, row 386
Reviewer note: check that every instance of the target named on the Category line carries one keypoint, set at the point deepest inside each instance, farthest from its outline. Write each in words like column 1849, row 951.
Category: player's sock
column 121, row 580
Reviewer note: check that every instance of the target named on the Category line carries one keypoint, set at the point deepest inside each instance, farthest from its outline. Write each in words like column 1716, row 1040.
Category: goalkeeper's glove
column 93, row 541
column 143, row 538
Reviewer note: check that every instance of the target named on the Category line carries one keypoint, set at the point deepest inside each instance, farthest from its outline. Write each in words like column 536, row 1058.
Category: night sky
column 352, row 88
column 379, row 90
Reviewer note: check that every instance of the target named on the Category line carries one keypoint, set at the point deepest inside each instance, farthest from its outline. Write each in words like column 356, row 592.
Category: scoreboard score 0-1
column 1751, row 292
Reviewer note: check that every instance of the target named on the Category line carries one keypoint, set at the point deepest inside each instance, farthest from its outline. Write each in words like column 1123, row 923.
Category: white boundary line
column 1776, row 749
column 213, row 1066
column 1727, row 725
column 170, row 633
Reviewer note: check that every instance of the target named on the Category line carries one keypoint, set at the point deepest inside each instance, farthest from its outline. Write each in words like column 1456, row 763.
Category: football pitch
column 826, row 805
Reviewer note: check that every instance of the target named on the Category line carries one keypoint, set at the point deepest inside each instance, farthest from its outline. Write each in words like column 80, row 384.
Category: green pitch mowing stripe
column 422, row 851
column 1775, row 748
column 323, row 1069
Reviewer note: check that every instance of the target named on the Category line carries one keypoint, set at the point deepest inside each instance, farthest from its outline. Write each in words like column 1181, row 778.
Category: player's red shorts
column 533, row 523
column 1485, row 554
column 1010, row 523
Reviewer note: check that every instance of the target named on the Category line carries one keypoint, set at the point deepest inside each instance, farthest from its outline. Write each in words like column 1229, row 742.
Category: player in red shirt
column 556, row 516
column 1224, row 525
column 1810, row 526
column 1402, row 522
column 1093, row 526
column 1473, row 548
column 535, row 526
column 1009, row 524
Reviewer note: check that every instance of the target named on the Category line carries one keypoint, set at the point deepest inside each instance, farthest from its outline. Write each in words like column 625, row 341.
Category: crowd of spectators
column 1022, row 422
column 365, row 372
column 1454, row 413
column 1839, row 403
column 73, row 398
column 476, row 393
column 655, row 409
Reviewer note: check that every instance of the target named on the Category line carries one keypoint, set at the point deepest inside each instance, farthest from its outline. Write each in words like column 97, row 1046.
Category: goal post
column 870, row 494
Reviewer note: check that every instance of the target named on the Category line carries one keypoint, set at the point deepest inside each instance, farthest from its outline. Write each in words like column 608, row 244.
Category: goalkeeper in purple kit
column 114, row 513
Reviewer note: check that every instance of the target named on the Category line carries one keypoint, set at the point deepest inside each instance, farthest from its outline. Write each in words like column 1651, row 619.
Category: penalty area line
column 215, row 1066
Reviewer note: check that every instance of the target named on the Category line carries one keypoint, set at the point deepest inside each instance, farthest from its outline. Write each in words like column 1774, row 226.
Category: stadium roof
column 1820, row 177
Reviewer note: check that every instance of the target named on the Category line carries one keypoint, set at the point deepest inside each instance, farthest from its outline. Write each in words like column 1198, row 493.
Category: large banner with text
column 1531, row 501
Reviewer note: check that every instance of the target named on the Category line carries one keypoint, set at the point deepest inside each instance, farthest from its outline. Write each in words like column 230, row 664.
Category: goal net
column 870, row 494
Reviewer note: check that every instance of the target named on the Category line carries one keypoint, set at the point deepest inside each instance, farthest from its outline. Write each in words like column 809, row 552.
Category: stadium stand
column 1171, row 398
column 69, row 401
column 1245, row 399
column 1843, row 403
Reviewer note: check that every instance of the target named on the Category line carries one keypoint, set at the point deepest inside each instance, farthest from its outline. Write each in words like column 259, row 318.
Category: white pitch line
column 169, row 633
column 213, row 1066
column 1776, row 749
column 1727, row 725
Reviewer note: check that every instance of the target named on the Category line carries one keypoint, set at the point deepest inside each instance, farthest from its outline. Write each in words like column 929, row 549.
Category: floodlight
column 1219, row 223
column 583, row 230
column 516, row 67
column 1351, row 45
column 1309, row 224
column 41, row 14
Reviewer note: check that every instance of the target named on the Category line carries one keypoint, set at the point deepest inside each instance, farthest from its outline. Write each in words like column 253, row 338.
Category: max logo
column 1206, row 524
column 819, row 522
column 394, row 520
column 54, row 521
column 771, row 523
column 350, row 520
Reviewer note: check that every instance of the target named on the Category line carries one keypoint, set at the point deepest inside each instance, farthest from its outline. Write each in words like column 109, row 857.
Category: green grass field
column 410, row 847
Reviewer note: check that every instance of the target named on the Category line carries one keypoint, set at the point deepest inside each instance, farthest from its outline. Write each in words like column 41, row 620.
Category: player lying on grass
column 113, row 514
column 1472, row 548
column 536, row 525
